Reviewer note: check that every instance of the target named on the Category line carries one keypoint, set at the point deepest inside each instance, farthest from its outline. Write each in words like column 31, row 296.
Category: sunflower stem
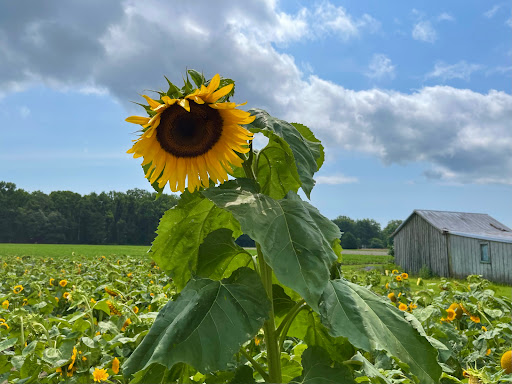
column 269, row 327
column 255, row 364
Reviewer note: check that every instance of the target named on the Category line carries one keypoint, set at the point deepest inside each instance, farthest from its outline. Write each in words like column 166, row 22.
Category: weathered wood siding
column 465, row 254
column 418, row 243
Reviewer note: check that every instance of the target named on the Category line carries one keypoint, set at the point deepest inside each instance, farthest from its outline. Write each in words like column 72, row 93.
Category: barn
column 455, row 244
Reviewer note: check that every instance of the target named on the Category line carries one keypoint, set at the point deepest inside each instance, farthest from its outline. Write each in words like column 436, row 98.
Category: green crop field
column 67, row 310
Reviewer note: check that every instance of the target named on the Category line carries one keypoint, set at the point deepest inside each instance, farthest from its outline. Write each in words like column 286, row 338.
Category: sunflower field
column 204, row 310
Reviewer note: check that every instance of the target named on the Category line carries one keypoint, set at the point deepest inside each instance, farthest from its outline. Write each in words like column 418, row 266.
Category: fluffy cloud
column 126, row 47
column 380, row 67
column 424, row 31
column 461, row 70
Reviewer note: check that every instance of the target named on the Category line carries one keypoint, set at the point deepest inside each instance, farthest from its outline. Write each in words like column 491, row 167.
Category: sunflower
column 398, row 278
column 192, row 138
column 135, row 309
column 63, row 283
column 115, row 365
column 100, row 375
column 392, row 297
column 51, row 282
column 73, row 358
column 457, row 309
column 506, row 362
column 17, row 289
column 405, row 276
column 126, row 324
column 451, row 314
column 474, row 318
column 403, row 307
column 5, row 304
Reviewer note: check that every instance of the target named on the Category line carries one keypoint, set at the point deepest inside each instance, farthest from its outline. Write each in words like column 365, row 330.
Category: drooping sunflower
column 17, row 289
column 192, row 139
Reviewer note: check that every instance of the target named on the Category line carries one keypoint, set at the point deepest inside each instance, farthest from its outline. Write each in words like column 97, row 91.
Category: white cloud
column 461, row 70
column 380, row 67
column 335, row 179
column 424, row 31
column 461, row 135
column 492, row 11
column 509, row 22
column 445, row 17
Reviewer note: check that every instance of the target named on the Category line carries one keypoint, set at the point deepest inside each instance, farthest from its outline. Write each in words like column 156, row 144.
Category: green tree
column 388, row 231
column 348, row 241
column 367, row 229
column 345, row 224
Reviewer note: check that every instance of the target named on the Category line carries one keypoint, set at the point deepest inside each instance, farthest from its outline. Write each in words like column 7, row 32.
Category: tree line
column 129, row 217
column 70, row 218
column 365, row 233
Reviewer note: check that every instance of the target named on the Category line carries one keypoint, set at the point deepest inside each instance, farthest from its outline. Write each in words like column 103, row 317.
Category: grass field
column 67, row 250
column 352, row 263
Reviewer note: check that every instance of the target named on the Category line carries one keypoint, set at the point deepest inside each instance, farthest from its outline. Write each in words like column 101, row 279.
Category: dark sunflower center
column 189, row 134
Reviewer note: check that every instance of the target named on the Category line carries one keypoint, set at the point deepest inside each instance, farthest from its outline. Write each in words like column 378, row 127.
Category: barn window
column 484, row 253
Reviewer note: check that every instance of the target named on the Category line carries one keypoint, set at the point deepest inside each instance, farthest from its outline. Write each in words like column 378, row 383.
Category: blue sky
column 412, row 100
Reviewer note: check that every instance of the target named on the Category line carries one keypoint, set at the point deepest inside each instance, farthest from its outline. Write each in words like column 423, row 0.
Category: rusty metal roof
column 476, row 225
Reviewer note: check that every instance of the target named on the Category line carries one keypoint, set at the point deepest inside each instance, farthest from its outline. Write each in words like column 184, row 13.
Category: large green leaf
column 314, row 144
column 319, row 369
column 181, row 231
column 206, row 325
column 293, row 241
column 219, row 255
column 371, row 323
column 290, row 140
column 275, row 171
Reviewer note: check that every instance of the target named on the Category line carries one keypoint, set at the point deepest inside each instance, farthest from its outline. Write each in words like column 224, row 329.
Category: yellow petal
column 138, row 120
column 195, row 98
column 152, row 103
column 168, row 101
column 181, row 173
column 214, row 84
column 223, row 106
column 220, row 93
column 185, row 104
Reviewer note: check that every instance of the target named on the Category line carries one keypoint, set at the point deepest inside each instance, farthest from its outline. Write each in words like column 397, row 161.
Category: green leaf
column 291, row 234
column 206, row 325
column 274, row 172
column 8, row 343
column 243, row 374
column 319, row 369
column 173, row 92
column 317, row 335
column 155, row 373
column 197, row 78
column 370, row 370
column 371, row 323
column 290, row 139
column 219, row 255
column 102, row 306
column 314, row 144
column 181, row 231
